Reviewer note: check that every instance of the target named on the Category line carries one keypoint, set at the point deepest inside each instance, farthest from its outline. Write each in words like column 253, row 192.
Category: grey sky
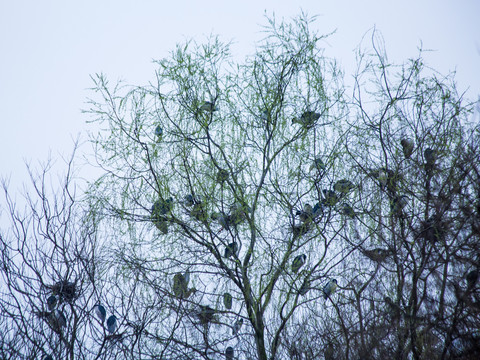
column 48, row 49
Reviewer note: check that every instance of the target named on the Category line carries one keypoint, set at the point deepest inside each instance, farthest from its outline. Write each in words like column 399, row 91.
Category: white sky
column 48, row 49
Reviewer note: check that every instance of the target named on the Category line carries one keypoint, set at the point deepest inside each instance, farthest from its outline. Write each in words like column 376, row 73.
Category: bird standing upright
column 298, row 262
column 112, row 324
column 329, row 288
column 407, row 147
column 100, row 312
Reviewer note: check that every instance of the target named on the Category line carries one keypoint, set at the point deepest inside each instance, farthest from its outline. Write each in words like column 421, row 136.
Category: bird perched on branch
column 318, row 164
column 430, row 156
column 100, row 312
column 330, row 198
column 159, row 133
column 298, row 262
column 305, row 287
column 227, row 300
column 407, row 147
column 307, row 119
column 329, row 288
column 231, row 250
column 377, row 254
column 229, row 353
column 306, row 214
column 472, row 278
column 112, row 324
column 347, row 210
column 180, row 286
column 51, row 302
column 343, row 186
column 237, row 326
column 208, row 106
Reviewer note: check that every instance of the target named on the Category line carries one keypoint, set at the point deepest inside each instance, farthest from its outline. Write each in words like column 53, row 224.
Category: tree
column 333, row 226
column 50, row 274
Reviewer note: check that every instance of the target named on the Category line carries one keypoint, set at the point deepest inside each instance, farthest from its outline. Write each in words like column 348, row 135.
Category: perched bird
column 159, row 133
column 306, row 214
column 329, row 288
column 205, row 314
column 317, row 210
column 307, row 119
column 180, row 286
column 472, row 278
column 330, row 198
column 430, row 157
column 47, row 357
column 229, row 353
column 222, row 176
column 227, row 300
column 159, row 209
column 58, row 320
column 377, row 254
column 318, row 164
column 398, row 203
column 189, row 200
column 298, row 262
column 112, row 324
column 343, row 186
column 347, row 210
column 407, row 147
column 198, row 212
column 393, row 309
column 100, row 312
column 305, row 287
column 329, row 352
column 231, row 250
column 237, row 326
column 51, row 302
column 238, row 213
column 222, row 219
column 208, row 106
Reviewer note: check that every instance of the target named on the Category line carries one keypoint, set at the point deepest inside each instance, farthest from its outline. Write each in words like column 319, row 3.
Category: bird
column 198, row 212
column 205, row 314
column 227, row 300
column 229, row 353
column 329, row 288
column 159, row 133
column 317, row 210
column 100, row 312
column 343, row 186
column 307, row 119
column 472, row 278
column 238, row 213
column 398, row 203
column 51, row 302
column 180, row 285
column 330, row 198
column 377, row 254
column 189, row 200
column 407, row 147
column 47, row 357
column 237, row 326
column 306, row 214
column 208, row 106
column 222, row 219
column 393, row 309
column 329, row 352
column 298, row 262
column 430, row 157
column 222, row 176
column 231, row 250
column 347, row 210
column 318, row 164
column 305, row 287
column 58, row 320
column 112, row 324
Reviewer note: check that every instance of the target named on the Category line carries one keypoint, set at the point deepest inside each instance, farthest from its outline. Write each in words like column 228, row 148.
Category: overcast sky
column 49, row 49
